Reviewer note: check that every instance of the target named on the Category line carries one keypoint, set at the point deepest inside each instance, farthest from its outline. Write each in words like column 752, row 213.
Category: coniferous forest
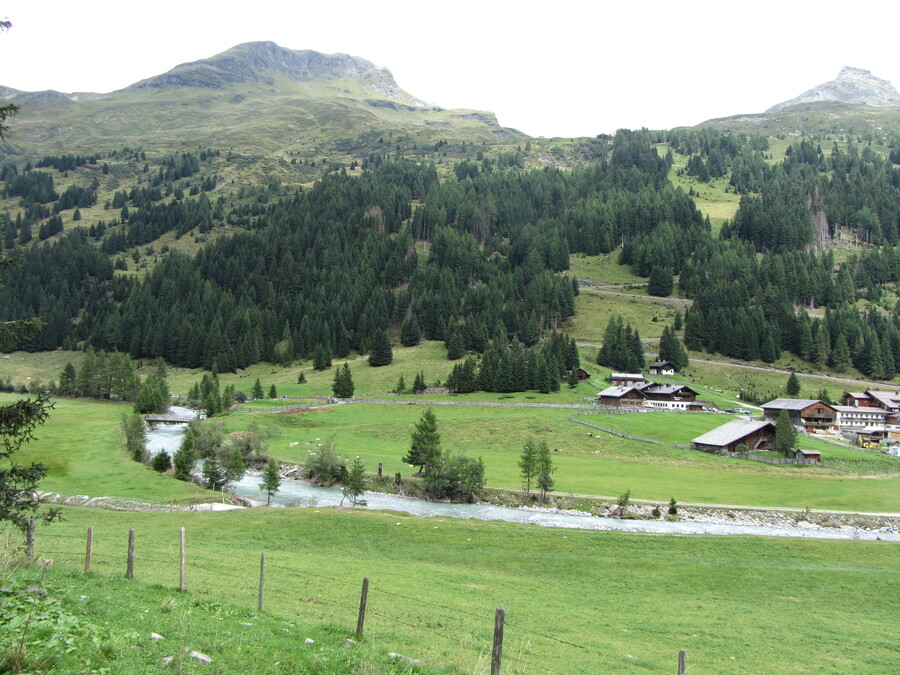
column 478, row 260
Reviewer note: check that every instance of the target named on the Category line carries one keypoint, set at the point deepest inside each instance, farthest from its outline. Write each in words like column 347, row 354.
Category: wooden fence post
column 682, row 661
column 362, row 608
column 130, row 573
column 29, row 538
column 181, row 564
column 89, row 549
column 262, row 576
column 497, row 651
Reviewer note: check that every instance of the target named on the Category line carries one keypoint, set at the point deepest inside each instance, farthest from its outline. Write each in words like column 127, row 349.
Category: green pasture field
column 594, row 310
column 588, row 462
column 83, row 446
column 575, row 601
column 603, row 268
column 82, row 435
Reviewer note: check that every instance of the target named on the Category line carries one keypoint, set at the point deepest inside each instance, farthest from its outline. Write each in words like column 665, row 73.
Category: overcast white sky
column 558, row 68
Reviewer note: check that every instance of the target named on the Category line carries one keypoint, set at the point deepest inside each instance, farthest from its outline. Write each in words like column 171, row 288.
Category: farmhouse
column 871, row 412
column 622, row 397
column 661, row 368
column 805, row 414
column 672, row 396
column 625, row 379
column 755, row 435
column 582, row 374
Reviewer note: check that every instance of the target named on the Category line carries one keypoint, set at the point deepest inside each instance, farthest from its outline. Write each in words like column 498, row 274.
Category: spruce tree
column 545, row 469
column 410, row 335
column 528, row 464
column 419, row 383
column 342, row 387
column 793, row 385
column 785, row 435
column 425, row 443
column 271, row 480
column 661, row 281
column 380, row 351
column 257, row 391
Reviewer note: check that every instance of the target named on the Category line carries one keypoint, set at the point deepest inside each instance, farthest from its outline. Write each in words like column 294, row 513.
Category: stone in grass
column 404, row 659
column 310, row 641
column 167, row 661
column 156, row 636
column 349, row 643
column 202, row 658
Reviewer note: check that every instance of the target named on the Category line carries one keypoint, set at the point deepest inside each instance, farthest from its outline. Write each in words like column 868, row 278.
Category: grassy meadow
column 575, row 601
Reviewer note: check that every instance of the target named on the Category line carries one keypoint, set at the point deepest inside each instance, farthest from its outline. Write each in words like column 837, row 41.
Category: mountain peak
column 852, row 85
column 261, row 62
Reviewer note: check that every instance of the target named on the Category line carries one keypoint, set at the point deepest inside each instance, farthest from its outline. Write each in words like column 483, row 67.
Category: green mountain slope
column 257, row 98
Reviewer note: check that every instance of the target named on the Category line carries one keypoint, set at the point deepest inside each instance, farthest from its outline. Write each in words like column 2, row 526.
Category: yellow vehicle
column 866, row 441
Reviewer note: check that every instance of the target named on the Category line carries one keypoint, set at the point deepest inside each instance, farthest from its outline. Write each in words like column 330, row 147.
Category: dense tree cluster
column 622, row 349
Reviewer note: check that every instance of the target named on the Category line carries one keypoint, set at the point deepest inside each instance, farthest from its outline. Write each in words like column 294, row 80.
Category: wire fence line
column 460, row 628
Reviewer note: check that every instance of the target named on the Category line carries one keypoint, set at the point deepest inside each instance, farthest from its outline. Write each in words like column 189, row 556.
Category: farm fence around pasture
column 317, row 597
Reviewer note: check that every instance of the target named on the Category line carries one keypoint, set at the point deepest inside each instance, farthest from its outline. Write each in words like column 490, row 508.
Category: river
column 298, row 494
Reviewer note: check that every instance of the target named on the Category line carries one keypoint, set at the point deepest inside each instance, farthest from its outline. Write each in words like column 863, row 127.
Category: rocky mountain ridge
column 854, row 86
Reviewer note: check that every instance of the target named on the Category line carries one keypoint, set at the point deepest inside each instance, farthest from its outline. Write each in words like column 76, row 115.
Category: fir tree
column 785, row 435
column 425, row 443
column 355, row 483
column 257, row 391
column 380, row 351
column 545, row 470
column 342, row 387
column 793, row 385
column 271, row 481
column 528, row 464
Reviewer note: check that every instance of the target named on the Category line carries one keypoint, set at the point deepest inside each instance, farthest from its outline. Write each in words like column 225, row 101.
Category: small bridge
column 166, row 419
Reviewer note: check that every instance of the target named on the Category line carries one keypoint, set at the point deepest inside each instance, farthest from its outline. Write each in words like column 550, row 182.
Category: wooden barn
column 755, row 435
column 621, row 397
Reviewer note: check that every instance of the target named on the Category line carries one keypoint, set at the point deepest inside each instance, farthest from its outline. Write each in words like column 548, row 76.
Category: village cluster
column 868, row 418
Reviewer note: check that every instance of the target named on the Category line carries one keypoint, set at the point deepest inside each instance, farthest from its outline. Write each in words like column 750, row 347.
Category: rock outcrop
column 852, row 85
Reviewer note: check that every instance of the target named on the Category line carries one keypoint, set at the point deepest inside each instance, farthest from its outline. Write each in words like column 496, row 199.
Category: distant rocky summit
column 261, row 62
column 852, row 85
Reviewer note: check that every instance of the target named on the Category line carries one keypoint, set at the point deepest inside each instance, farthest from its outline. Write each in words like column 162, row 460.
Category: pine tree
column 456, row 348
column 380, row 351
column 410, row 335
column 342, row 387
column 545, row 469
column 273, row 392
column 257, row 391
column 321, row 357
column 271, row 481
column 785, row 436
column 661, row 281
column 793, row 385
column 301, row 378
column 419, row 383
column 401, row 385
column 355, row 483
column 185, row 456
column 840, row 355
column 425, row 443
column 213, row 475
column 528, row 464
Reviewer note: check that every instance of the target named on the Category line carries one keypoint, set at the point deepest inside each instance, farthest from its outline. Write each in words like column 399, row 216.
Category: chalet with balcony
column 672, row 397
column 805, row 414
column 661, row 368
column 754, row 434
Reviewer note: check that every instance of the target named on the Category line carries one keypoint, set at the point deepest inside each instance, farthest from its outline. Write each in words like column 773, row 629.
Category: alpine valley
column 292, row 244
